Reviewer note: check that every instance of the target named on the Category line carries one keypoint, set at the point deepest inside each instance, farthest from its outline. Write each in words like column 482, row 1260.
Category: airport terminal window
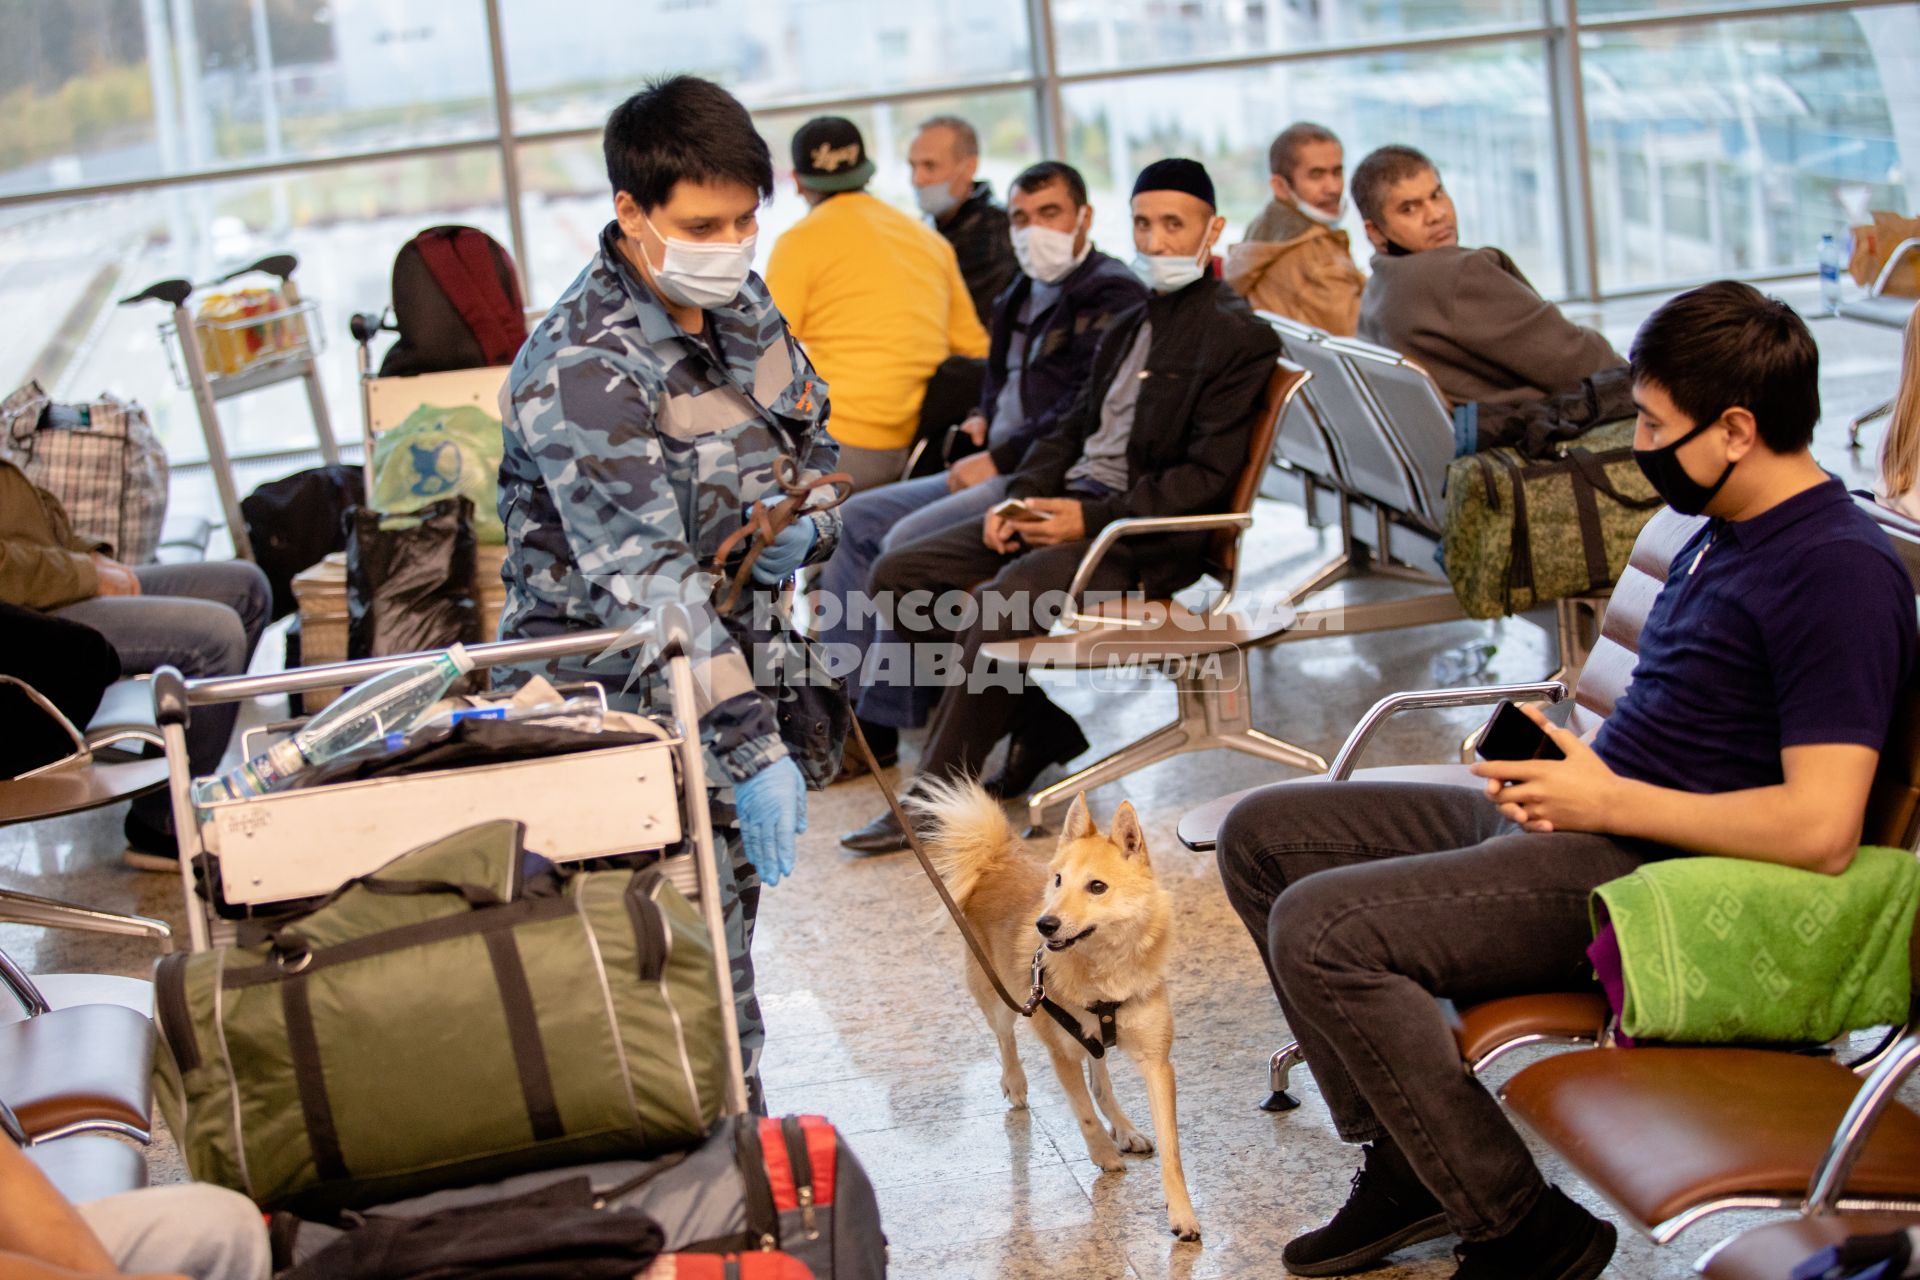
column 112, row 90
column 567, row 72
column 1479, row 112
column 1731, row 147
column 1104, row 35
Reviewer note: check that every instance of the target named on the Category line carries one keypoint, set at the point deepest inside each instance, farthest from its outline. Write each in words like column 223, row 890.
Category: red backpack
column 456, row 300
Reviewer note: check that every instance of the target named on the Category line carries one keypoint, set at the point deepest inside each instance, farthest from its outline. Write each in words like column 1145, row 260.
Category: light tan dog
column 1106, row 927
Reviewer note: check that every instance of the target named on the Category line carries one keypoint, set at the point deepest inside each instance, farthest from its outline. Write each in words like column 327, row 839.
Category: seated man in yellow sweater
column 874, row 294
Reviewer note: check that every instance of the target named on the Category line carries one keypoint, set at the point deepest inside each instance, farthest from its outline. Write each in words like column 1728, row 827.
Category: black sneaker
column 1388, row 1209
column 1557, row 1240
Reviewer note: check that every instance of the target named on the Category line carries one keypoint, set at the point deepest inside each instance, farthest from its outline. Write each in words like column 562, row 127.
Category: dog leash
column 1107, row 1011
column 768, row 523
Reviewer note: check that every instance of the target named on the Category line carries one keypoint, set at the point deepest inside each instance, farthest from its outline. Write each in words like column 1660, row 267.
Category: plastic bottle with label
column 364, row 714
column 1829, row 275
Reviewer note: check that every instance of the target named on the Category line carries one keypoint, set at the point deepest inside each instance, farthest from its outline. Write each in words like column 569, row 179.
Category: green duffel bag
column 1523, row 531
column 441, row 1022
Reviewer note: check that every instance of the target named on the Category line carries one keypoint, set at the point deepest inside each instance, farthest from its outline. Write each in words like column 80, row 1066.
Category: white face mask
column 1047, row 255
column 697, row 274
column 936, row 199
column 1166, row 273
column 1324, row 219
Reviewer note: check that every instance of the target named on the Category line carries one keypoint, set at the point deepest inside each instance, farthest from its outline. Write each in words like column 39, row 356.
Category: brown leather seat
column 1664, row 1132
column 1486, row 1030
column 89, row 1166
column 89, row 1067
column 1773, row 1251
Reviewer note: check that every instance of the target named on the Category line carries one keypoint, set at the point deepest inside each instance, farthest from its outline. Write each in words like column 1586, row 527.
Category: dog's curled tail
column 968, row 835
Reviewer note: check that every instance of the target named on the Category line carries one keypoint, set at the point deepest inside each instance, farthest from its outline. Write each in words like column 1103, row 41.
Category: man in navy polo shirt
column 1766, row 679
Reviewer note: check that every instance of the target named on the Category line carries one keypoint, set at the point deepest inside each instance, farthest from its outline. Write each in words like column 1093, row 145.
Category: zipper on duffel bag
column 649, row 923
column 176, row 1019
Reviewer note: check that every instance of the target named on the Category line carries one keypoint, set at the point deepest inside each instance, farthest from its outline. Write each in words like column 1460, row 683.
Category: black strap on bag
column 523, row 1033
column 316, row 1110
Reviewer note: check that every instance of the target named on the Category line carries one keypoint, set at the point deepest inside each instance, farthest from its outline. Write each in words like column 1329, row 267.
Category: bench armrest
column 1136, row 525
column 1876, row 1094
column 1426, row 699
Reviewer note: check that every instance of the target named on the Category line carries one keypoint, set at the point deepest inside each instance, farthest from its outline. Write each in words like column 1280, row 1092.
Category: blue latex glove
column 788, row 552
column 773, row 810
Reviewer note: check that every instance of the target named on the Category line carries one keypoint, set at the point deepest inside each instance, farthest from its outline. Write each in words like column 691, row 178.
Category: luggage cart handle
column 173, row 694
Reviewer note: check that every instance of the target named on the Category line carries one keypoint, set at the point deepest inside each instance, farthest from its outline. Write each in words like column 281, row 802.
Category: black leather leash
column 1107, row 1011
column 767, row 523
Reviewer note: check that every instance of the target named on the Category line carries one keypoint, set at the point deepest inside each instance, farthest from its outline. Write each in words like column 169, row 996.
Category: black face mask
column 1670, row 480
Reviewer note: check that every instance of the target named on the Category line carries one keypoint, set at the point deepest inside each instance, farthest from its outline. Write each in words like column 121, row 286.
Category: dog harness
column 1108, row 1011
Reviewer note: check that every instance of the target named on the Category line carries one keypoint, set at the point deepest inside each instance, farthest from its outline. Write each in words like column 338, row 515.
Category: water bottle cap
column 461, row 662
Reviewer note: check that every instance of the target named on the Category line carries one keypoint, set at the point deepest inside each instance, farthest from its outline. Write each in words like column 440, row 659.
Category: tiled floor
column 869, row 1022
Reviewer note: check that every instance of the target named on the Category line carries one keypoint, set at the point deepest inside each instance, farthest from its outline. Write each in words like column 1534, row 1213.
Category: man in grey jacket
column 1467, row 316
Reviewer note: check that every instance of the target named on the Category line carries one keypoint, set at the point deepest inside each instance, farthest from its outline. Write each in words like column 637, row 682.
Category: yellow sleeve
column 965, row 336
column 786, row 279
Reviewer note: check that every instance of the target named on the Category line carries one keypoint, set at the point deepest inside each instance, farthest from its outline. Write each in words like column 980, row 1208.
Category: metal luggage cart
column 277, row 346
column 681, row 825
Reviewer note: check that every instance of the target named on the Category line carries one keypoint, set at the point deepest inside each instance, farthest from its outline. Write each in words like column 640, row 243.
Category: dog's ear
column 1079, row 823
column 1127, row 833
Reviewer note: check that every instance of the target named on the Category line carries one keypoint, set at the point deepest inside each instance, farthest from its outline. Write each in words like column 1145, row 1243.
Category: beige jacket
column 43, row 563
column 1294, row 267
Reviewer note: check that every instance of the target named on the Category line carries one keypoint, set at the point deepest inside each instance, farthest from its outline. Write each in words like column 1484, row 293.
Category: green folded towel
column 1717, row 950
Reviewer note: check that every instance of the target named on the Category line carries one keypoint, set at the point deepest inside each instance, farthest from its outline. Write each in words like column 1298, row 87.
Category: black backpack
column 297, row 521
column 457, row 303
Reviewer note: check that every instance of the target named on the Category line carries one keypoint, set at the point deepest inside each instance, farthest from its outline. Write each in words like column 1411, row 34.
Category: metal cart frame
column 693, row 870
column 208, row 390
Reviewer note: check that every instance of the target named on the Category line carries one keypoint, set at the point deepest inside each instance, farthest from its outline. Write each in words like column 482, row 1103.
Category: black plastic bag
column 410, row 580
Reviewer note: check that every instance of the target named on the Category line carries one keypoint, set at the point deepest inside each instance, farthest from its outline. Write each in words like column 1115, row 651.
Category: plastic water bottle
column 364, row 714
column 1829, row 274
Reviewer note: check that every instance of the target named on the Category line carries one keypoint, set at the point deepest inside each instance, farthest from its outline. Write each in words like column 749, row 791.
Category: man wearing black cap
column 875, row 294
column 1162, row 430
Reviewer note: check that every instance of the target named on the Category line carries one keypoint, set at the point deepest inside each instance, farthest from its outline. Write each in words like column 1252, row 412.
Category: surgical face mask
column 1670, row 479
column 1324, row 219
column 697, row 274
column 1047, row 255
column 936, row 199
column 1166, row 273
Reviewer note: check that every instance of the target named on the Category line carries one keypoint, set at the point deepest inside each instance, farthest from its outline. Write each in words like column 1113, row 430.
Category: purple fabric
column 1605, row 955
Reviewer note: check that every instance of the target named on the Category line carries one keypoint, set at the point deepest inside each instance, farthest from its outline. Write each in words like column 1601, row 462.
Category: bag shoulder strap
column 461, row 261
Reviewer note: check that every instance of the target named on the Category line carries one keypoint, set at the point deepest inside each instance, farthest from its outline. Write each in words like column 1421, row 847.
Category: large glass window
column 1105, row 35
column 115, row 90
column 1732, row 147
column 1480, row 113
column 571, row 63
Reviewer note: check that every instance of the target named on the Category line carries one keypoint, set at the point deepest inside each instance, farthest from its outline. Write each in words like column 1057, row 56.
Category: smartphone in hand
column 1510, row 734
column 1018, row 512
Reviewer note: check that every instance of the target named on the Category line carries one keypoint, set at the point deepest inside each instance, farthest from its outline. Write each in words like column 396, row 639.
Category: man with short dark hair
column 1296, row 261
column 646, row 414
column 876, row 296
column 944, row 158
column 1767, row 675
column 1044, row 333
column 1161, row 429
column 1467, row 316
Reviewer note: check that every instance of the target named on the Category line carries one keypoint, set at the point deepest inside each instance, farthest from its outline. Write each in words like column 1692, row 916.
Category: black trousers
column 1011, row 596
column 1367, row 901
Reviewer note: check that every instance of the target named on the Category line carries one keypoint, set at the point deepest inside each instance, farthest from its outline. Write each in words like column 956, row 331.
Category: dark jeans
column 204, row 619
column 973, row 716
column 1367, row 901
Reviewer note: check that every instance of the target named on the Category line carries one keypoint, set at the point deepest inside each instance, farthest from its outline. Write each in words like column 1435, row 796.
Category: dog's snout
column 1047, row 925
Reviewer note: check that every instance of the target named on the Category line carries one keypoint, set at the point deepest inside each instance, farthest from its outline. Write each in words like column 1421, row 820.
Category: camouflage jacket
column 632, row 450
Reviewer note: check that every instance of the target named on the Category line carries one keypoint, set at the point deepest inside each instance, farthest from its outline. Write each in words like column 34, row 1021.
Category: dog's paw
column 1133, row 1142
column 1014, row 1090
column 1188, row 1231
column 1111, row 1163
